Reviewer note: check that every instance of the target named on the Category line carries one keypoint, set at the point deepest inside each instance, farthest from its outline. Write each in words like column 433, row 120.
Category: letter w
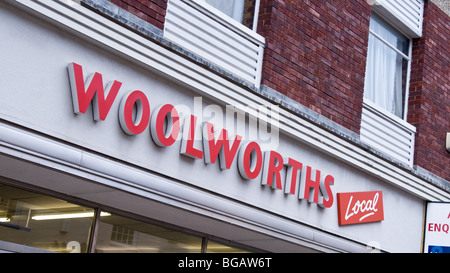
column 82, row 97
column 220, row 148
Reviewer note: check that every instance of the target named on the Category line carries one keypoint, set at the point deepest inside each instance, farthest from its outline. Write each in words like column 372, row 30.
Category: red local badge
column 360, row 207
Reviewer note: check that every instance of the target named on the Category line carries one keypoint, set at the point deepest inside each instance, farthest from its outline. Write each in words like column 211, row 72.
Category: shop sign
column 437, row 228
column 360, row 207
column 166, row 126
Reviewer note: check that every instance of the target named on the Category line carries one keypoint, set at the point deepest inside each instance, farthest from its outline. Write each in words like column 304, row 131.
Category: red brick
column 152, row 11
column 429, row 100
column 324, row 44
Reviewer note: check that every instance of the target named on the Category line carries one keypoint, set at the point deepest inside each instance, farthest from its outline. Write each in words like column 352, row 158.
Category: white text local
column 165, row 127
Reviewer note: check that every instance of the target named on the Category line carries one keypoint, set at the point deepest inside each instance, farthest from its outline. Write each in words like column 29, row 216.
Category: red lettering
column 221, row 147
column 293, row 168
column 187, row 143
column 165, row 125
column 308, row 183
column 137, row 126
column 81, row 97
column 211, row 147
column 437, row 227
column 273, row 164
column 326, row 193
column 250, row 160
column 135, row 116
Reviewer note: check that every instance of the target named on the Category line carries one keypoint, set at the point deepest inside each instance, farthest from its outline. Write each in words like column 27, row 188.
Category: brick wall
column 429, row 98
column 152, row 11
column 316, row 54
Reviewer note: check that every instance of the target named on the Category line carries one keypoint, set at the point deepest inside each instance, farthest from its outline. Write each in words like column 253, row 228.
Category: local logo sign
column 166, row 125
column 360, row 207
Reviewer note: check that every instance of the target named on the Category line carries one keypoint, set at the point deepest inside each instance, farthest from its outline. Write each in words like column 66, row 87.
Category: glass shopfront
column 46, row 223
column 43, row 222
column 121, row 234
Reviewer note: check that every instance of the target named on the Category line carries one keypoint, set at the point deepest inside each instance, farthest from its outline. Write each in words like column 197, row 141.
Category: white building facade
column 111, row 141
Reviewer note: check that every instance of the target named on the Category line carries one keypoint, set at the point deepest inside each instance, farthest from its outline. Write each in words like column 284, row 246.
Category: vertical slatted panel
column 411, row 12
column 210, row 37
column 408, row 13
column 386, row 134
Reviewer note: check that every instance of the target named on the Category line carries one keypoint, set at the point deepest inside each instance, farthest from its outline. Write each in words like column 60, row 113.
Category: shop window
column 120, row 234
column 43, row 222
column 33, row 222
column 216, row 247
column 387, row 67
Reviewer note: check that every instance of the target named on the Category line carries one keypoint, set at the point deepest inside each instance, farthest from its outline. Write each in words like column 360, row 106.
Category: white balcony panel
column 388, row 134
column 406, row 15
column 200, row 29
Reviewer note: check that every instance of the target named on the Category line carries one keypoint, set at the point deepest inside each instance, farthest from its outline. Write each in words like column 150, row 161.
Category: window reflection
column 215, row 247
column 120, row 234
column 43, row 222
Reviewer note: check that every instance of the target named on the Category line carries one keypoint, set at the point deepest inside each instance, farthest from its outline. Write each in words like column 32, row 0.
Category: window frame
column 407, row 58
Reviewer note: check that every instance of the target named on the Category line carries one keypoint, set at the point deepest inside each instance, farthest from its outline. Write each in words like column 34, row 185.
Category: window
column 232, row 8
column 216, row 247
column 242, row 11
column 388, row 62
column 121, row 234
column 43, row 222
column 383, row 120
column 33, row 222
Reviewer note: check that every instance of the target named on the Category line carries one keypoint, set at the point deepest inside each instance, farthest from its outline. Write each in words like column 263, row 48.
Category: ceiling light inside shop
column 67, row 216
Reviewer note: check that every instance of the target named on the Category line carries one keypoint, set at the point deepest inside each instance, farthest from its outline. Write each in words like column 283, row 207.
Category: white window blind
column 387, row 67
